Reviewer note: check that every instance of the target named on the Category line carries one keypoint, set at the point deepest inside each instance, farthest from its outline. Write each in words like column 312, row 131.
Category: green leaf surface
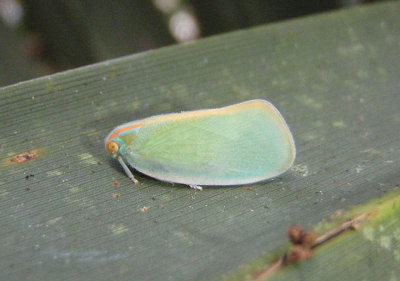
column 362, row 243
column 372, row 252
column 335, row 78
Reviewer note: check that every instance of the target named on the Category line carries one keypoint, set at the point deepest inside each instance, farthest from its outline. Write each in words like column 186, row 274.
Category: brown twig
column 269, row 271
column 350, row 224
column 303, row 244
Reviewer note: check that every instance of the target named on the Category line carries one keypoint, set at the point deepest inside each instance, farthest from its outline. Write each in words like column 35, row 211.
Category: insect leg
column 127, row 171
column 196, row 187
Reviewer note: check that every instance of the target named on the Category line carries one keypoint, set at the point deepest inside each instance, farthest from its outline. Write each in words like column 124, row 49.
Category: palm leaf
column 69, row 212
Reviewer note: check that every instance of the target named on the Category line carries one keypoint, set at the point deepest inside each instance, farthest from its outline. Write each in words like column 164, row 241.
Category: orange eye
column 112, row 147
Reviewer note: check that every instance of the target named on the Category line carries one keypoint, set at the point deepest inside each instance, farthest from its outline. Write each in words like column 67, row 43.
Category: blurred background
column 39, row 37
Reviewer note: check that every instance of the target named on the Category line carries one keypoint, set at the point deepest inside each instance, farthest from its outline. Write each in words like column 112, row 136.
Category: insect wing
column 238, row 144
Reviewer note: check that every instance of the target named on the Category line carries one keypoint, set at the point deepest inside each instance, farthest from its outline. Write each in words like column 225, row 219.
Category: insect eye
column 112, row 147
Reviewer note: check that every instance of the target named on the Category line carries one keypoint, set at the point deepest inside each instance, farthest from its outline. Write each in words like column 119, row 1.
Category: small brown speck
column 247, row 188
column 301, row 237
column 116, row 195
column 298, row 253
column 336, row 214
column 144, row 209
column 308, row 238
column 294, row 232
column 25, row 156
column 115, row 183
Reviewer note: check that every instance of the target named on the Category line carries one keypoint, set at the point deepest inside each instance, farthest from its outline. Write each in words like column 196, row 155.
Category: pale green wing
column 242, row 146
